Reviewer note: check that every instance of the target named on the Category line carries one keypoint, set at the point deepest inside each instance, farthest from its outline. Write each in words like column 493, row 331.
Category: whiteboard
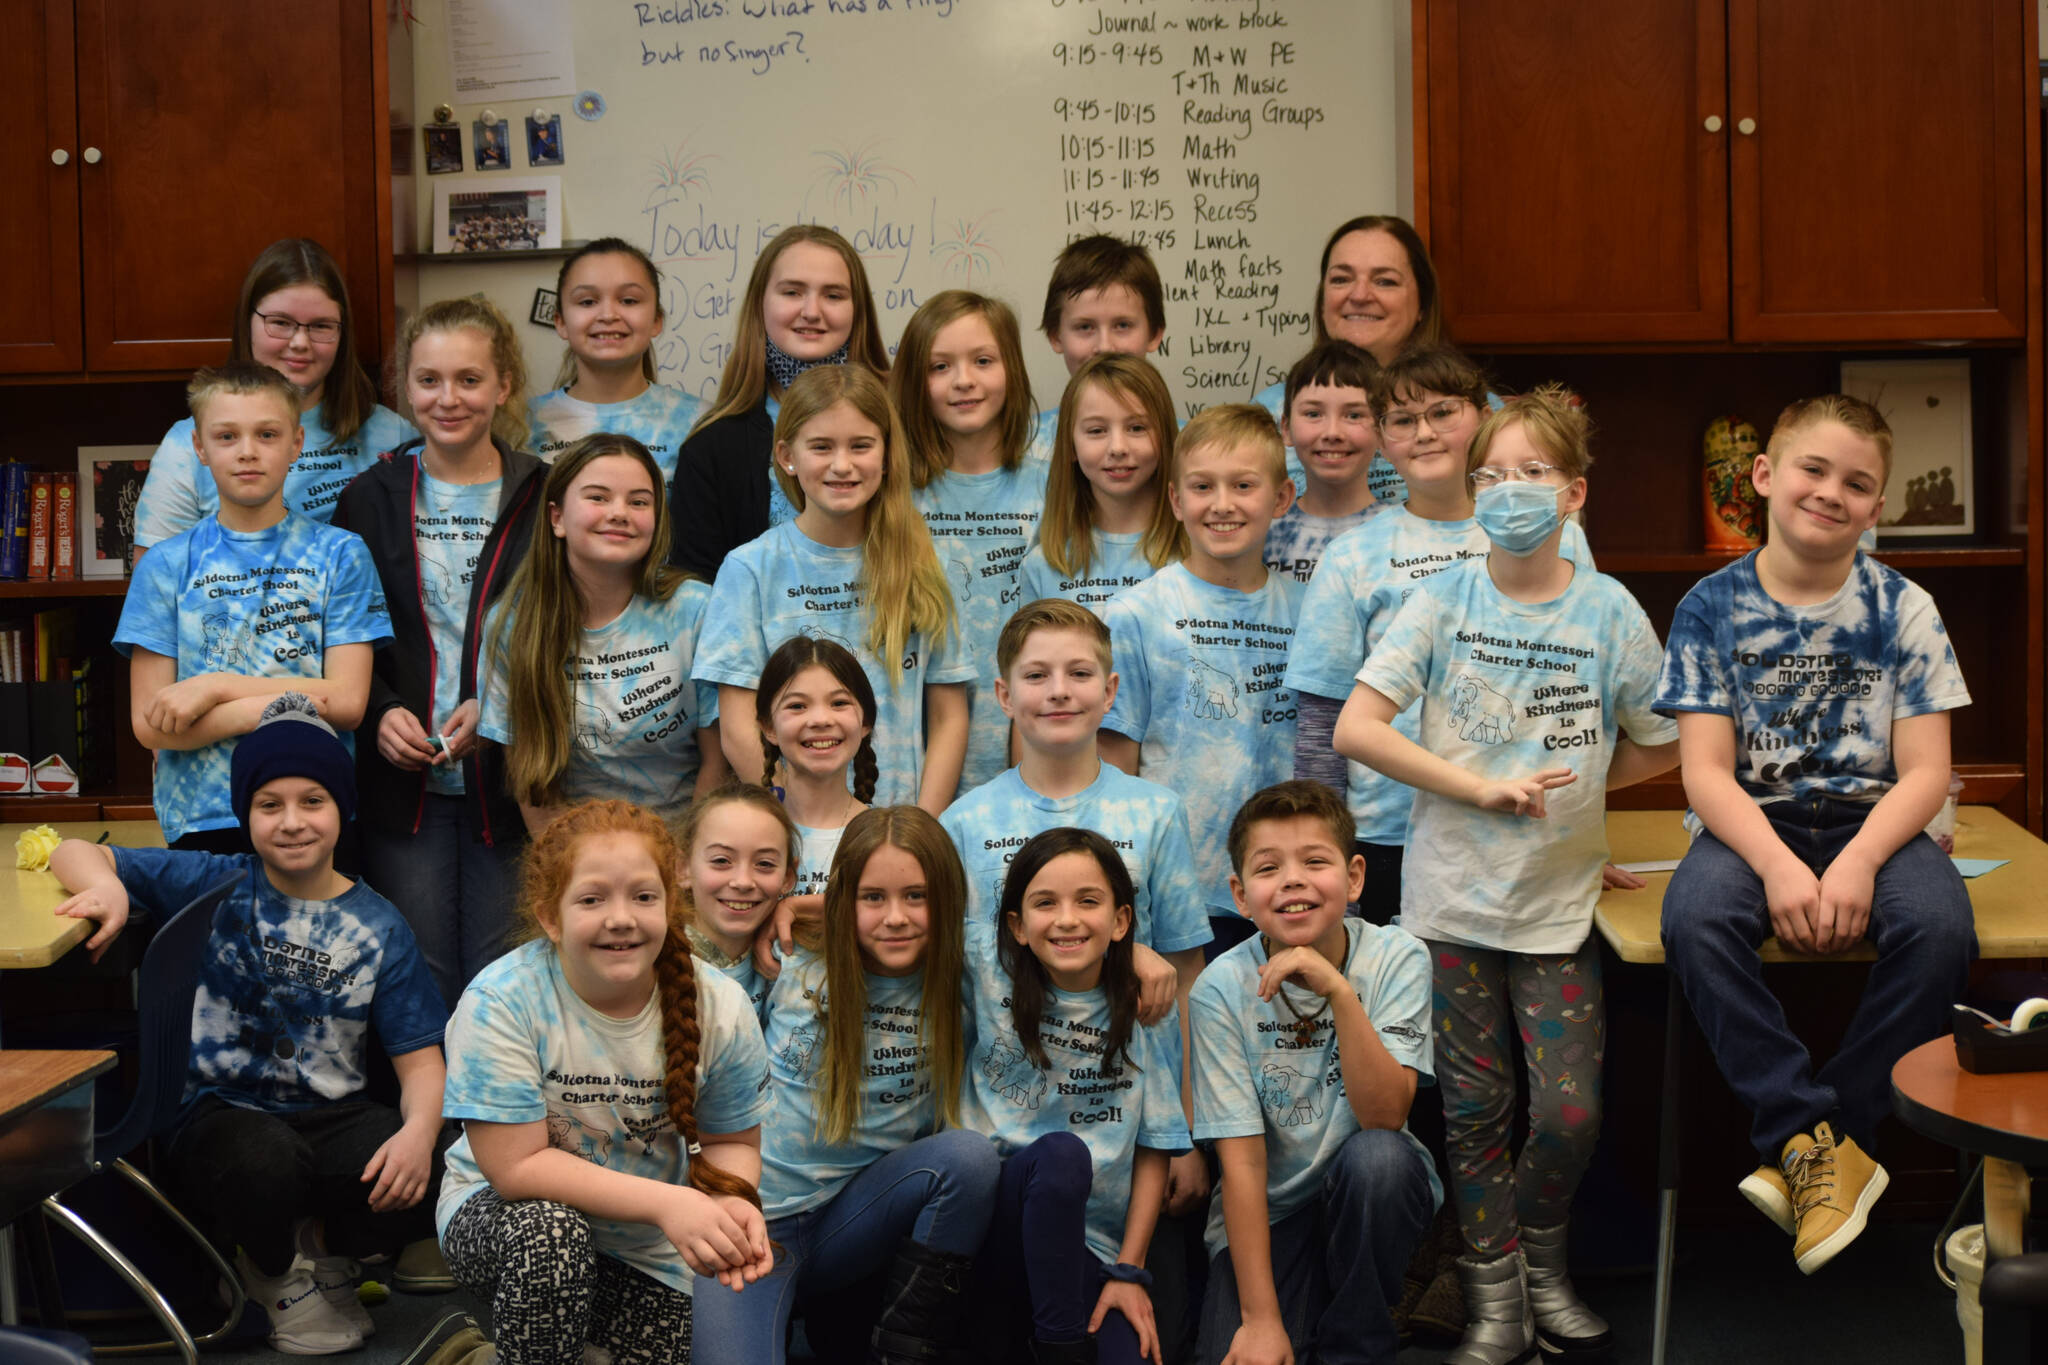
column 962, row 143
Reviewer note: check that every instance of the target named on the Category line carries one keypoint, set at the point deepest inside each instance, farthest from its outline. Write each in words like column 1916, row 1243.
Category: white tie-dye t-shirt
column 1254, row 1078
column 1202, row 691
column 659, row 419
column 634, row 710
column 1813, row 690
column 525, row 1048
column 1143, row 820
column 1009, row 1098
column 261, row 604
column 180, row 492
column 982, row 526
column 1508, row 689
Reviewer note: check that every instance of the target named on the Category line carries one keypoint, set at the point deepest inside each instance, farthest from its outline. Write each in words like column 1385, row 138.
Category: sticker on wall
column 590, row 106
column 544, row 140
column 492, row 143
column 444, row 148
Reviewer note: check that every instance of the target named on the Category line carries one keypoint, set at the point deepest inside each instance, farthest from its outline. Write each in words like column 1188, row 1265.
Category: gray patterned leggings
column 1556, row 1004
column 551, row 1290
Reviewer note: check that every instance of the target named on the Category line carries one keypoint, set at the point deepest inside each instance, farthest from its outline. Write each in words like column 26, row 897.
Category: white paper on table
column 519, row 49
column 1654, row 865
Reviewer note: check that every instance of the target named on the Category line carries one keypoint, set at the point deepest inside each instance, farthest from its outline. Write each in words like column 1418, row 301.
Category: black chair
column 169, row 979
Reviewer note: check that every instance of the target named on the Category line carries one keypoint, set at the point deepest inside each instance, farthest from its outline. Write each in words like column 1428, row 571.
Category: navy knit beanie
column 292, row 741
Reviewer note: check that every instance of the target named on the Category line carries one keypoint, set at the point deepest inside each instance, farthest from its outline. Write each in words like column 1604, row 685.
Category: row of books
column 38, row 523
column 51, row 735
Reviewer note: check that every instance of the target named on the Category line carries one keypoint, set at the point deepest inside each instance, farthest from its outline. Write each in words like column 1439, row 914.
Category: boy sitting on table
column 1812, row 687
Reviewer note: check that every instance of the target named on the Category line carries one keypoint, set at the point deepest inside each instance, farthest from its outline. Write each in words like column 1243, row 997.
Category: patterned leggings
column 551, row 1290
column 1556, row 1002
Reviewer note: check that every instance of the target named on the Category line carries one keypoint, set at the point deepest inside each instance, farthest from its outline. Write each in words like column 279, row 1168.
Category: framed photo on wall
column 109, row 485
column 523, row 213
column 1927, row 404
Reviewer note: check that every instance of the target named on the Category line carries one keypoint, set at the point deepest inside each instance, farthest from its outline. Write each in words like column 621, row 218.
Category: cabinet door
column 39, row 310
column 1882, row 193
column 1575, row 190
column 223, row 126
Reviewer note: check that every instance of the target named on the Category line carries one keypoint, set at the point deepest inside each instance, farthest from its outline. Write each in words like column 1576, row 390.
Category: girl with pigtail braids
column 612, row 1096
column 816, row 710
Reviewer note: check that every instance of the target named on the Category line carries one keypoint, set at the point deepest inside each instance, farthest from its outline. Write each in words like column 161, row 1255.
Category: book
column 39, row 488
column 64, row 528
column 13, row 519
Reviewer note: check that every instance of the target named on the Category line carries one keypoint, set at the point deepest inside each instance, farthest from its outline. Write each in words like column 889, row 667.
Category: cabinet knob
column 1713, row 123
column 1746, row 127
column 59, row 157
column 92, row 156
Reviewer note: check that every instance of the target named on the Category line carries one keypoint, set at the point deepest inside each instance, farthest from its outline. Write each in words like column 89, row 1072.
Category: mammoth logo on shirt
column 1212, row 693
column 797, row 1052
column 1290, row 1097
column 593, row 727
column 222, row 646
column 963, row 568
column 1011, row 1074
column 435, row 581
column 816, row 634
column 574, row 1136
column 1482, row 715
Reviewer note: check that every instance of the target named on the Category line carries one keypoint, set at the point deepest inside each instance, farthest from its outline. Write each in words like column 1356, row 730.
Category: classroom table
column 46, row 1136
column 31, row 934
column 2012, row 921
column 2002, row 1118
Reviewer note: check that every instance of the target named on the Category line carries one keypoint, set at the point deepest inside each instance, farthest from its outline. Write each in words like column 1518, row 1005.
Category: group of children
column 1041, row 832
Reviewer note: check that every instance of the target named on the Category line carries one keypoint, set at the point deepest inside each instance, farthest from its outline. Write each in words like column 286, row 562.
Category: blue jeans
column 1715, row 916
column 937, row 1191
column 1337, row 1263
column 456, row 891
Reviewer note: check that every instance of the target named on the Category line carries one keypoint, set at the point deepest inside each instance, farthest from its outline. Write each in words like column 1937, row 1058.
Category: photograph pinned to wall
column 109, row 485
column 1927, row 404
column 544, row 140
column 493, row 145
column 444, row 148
column 498, row 215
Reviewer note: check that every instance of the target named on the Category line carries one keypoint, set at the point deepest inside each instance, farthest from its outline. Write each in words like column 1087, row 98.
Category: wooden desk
column 45, row 1124
column 31, row 935
column 2012, row 921
column 2003, row 1118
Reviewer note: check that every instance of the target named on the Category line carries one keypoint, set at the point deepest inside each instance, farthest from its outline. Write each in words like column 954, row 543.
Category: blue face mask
column 1518, row 516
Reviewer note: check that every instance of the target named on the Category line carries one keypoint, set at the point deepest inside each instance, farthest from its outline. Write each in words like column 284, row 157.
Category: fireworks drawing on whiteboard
column 968, row 253
column 852, row 179
column 677, row 168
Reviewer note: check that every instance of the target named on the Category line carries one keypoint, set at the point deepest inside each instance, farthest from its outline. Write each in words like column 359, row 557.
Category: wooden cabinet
column 191, row 137
column 1728, row 170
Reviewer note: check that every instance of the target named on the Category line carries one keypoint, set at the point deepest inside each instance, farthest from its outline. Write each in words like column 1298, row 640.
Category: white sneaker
column 335, row 1276
column 302, row 1321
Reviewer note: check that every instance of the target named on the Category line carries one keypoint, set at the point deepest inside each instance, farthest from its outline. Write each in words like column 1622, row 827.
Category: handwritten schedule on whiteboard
column 962, row 143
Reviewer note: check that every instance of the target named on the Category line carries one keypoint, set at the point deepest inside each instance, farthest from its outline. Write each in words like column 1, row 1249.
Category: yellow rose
column 33, row 849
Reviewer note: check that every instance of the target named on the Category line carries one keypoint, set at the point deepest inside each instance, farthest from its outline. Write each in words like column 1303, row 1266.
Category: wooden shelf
column 70, row 587
column 1706, row 561
column 544, row 253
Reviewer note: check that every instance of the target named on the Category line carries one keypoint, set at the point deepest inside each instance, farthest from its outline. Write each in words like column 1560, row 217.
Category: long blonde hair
column 928, row 445
column 541, row 623
column 900, row 578
column 1067, row 533
column 745, row 380
column 846, row 988
column 508, row 423
column 544, row 876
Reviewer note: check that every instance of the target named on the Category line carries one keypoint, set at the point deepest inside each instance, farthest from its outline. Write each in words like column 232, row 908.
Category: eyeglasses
column 1440, row 414
column 279, row 327
column 1532, row 472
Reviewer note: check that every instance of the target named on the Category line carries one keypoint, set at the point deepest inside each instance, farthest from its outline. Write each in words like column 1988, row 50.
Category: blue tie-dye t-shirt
column 1254, row 1078
column 1387, row 488
column 782, row 584
column 814, row 868
column 1296, row 541
column 180, row 492
column 1144, row 820
column 1365, row 576
column 1202, row 691
column 1044, row 432
column 289, row 989
column 659, row 419
column 781, row 511
column 1117, row 562
column 450, row 522
column 1813, row 690
column 525, row 1048
column 982, row 526
column 635, row 712
column 898, row 1104
column 1508, row 689
column 261, row 604
column 1015, row 1103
